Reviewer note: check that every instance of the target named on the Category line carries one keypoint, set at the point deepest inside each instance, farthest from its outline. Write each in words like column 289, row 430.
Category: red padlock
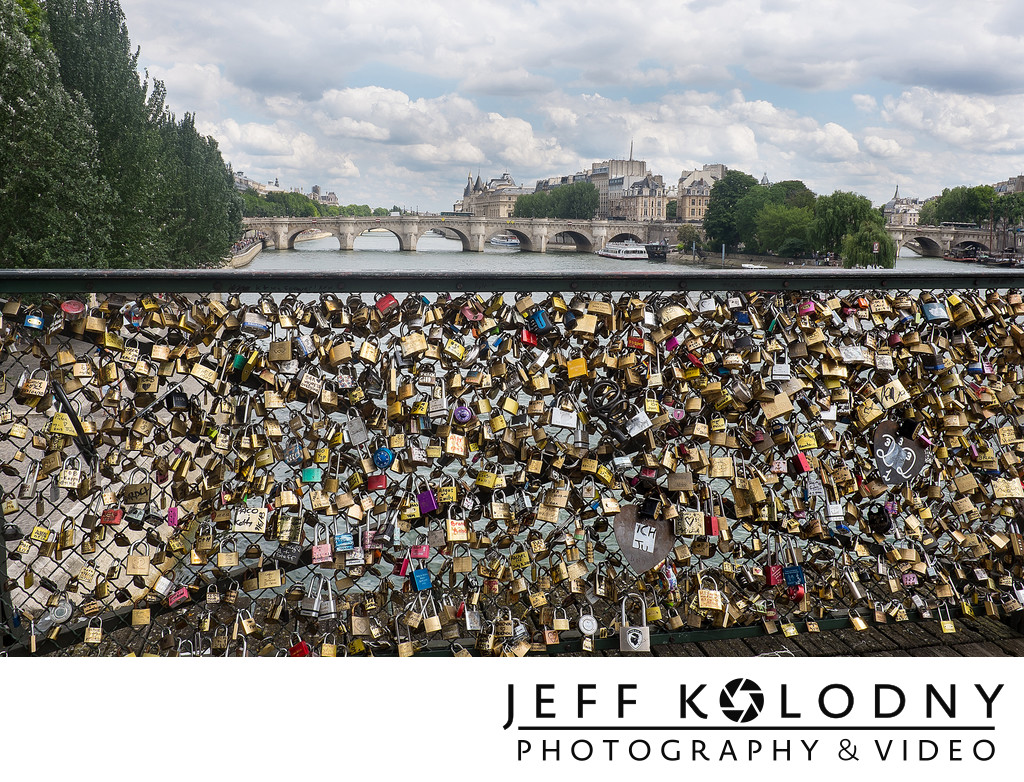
column 299, row 649
column 385, row 302
column 377, row 482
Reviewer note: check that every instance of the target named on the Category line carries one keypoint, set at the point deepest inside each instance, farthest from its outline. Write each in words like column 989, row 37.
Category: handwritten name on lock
column 644, row 542
column 136, row 493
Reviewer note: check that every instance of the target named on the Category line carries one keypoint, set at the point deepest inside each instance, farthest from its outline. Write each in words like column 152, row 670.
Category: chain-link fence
column 537, row 466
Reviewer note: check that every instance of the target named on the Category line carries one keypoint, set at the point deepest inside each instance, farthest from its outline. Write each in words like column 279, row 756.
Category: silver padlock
column 328, row 606
column 634, row 638
column 853, row 586
column 309, row 606
column 639, row 423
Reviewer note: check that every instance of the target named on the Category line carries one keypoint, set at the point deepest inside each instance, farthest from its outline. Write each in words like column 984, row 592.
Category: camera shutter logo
column 741, row 700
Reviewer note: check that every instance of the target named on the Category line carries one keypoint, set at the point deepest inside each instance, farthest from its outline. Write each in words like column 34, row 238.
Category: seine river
column 379, row 252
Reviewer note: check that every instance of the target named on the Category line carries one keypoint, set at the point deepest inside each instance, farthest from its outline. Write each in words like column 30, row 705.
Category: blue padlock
column 34, row 320
column 421, row 579
column 463, row 415
column 343, row 541
column 383, row 458
column 540, row 323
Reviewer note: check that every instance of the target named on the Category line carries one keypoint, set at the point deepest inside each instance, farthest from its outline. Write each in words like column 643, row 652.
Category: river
column 375, row 252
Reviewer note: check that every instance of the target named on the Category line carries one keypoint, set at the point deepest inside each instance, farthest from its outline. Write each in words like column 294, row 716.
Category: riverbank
column 242, row 260
column 736, row 260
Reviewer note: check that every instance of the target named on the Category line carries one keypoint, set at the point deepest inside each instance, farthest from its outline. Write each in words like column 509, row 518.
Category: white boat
column 752, row 266
column 628, row 251
column 505, row 240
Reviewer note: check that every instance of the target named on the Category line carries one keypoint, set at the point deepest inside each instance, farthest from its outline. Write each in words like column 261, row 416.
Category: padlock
column 634, row 638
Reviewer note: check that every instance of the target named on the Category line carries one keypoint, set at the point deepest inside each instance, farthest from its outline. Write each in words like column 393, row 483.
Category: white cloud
column 410, row 95
column 975, row 123
column 866, row 103
column 882, row 147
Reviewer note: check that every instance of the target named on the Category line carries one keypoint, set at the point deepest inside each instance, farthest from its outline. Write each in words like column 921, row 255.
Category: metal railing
column 214, row 416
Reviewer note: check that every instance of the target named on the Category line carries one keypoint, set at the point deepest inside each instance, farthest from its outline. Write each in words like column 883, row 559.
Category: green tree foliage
column 54, row 203
column 745, row 215
column 784, row 229
column 965, row 205
column 174, row 203
column 688, row 235
column 928, row 213
column 719, row 219
column 202, row 214
column 532, row 205
column 671, row 209
column 578, row 201
column 790, row 193
column 840, row 214
column 1009, row 212
column 34, row 24
column 858, row 247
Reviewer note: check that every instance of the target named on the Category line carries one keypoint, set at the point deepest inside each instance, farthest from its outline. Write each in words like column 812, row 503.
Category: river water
column 376, row 252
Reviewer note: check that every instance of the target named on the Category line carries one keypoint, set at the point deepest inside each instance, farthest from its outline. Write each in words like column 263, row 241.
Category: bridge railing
column 228, row 462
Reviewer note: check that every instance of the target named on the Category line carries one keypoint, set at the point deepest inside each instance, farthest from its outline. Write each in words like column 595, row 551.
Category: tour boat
column 627, row 251
column 505, row 240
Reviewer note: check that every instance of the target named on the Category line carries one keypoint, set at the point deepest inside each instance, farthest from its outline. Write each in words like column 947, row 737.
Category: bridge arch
column 626, row 236
column 971, row 244
column 584, row 243
column 928, row 246
column 525, row 240
column 370, row 230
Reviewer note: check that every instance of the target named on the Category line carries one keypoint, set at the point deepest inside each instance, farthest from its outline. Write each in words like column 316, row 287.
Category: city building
column 901, row 211
column 694, row 191
column 496, row 199
column 642, row 199
column 601, row 174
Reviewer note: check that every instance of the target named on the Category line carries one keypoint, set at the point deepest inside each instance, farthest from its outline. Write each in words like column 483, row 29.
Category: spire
column 897, row 193
column 631, row 149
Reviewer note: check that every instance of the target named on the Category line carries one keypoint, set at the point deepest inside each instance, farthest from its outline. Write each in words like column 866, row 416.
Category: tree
column 174, row 202
column 719, row 220
column 790, row 193
column 929, row 212
column 745, row 215
column 965, row 204
column 54, row 202
column 780, row 226
column 670, row 210
column 689, row 236
column 793, row 192
column 1008, row 210
column 578, row 201
column 200, row 209
column 839, row 214
column 858, row 247
column 96, row 60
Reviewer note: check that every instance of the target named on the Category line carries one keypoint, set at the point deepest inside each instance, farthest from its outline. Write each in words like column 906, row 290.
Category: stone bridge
column 936, row 240
column 474, row 232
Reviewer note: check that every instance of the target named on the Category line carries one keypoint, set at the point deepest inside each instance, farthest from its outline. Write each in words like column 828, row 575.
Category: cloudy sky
column 396, row 101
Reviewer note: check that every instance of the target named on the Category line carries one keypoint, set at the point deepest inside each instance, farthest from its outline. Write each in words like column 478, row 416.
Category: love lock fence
column 264, row 463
